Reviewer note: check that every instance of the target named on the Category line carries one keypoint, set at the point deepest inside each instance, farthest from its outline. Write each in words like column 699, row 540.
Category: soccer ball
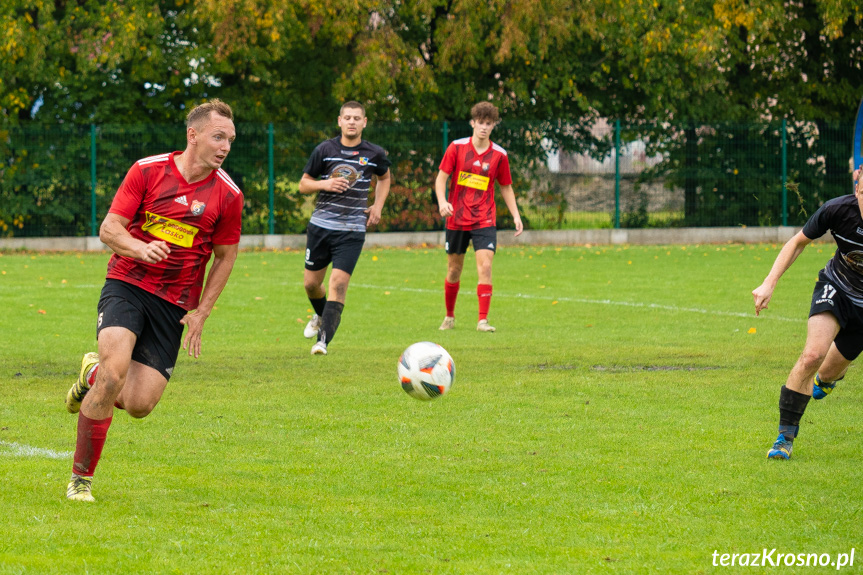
column 426, row 370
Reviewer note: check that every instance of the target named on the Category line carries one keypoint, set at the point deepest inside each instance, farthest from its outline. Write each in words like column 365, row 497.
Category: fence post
column 445, row 136
column 93, row 180
column 271, row 186
column 617, row 174
column 784, row 174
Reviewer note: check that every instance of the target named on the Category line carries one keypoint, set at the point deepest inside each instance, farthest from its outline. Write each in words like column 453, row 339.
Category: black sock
column 330, row 319
column 791, row 406
column 318, row 304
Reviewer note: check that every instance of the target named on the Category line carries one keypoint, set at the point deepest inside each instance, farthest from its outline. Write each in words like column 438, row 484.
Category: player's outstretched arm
column 787, row 255
column 223, row 263
column 114, row 234
column 508, row 196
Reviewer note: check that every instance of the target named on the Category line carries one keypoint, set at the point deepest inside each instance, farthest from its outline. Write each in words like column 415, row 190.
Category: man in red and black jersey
column 170, row 214
column 475, row 164
column 834, row 336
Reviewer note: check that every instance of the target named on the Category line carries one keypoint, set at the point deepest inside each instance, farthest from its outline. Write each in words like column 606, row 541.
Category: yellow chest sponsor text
column 475, row 181
column 171, row 231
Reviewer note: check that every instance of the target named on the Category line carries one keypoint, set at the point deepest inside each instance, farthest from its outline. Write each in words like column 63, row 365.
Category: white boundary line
column 18, row 450
column 657, row 306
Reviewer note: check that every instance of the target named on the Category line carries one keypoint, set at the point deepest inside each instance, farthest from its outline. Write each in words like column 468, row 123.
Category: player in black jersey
column 340, row 170
column 834, row 335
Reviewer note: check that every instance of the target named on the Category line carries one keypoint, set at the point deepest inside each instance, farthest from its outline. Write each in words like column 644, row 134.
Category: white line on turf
column 18, row 450
column 598, row 302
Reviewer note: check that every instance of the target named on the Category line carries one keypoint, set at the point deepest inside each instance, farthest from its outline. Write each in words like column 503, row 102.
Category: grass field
column 617, row 422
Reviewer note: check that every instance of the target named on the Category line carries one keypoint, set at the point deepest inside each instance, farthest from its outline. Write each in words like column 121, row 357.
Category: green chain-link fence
column 58, row 180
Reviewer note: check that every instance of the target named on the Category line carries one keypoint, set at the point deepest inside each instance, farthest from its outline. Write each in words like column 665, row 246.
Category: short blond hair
column 201, row 112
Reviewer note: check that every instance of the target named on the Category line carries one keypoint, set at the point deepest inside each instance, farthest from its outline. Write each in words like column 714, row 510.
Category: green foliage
column 794, row 60
column 45, row 180
column 409, row 208
column 554, row 68
column 549, row 455
column 731, row 173
column 637, row 216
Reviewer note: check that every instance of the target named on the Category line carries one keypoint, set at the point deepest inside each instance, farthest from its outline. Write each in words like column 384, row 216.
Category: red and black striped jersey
column 472, row 178
column 191, row 218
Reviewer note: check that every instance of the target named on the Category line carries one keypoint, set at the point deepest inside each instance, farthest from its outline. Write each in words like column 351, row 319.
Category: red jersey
column 471, row 190
column 160, row 205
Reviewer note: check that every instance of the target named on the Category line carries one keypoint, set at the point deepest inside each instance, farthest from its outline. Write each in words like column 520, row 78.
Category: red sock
column 91, row 440
column 483, row 293
column 450, row 295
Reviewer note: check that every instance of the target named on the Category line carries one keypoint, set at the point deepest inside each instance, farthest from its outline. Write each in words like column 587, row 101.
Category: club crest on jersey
column 485, row 166
column 345, row 171
column 364, row 161
column 855, row 260
column 198, row 207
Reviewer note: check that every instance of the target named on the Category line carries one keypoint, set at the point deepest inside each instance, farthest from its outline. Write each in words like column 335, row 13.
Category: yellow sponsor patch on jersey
column 171, row 231
column 473, row 180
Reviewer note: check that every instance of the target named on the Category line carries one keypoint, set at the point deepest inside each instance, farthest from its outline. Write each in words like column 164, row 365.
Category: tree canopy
column 146, row 61
column 664, row 68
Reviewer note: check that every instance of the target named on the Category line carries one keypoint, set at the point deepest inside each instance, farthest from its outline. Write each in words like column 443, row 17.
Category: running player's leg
column 153, row 358
column 832, row 369
column 318, row 257
column 153, row 361
column 97, row 408
column 313, row 281
column 139, row 339
column 795, row 394
column 346, row 248
column 143, row 390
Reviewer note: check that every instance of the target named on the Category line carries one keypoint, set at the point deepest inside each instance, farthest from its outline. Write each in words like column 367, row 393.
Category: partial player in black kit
column 834, row 335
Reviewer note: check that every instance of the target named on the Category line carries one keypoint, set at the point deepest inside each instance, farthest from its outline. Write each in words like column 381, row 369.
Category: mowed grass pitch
column 617, row 422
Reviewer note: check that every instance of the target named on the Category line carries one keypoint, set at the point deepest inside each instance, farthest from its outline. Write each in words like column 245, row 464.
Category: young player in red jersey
column 170, row 214
column 475, row 163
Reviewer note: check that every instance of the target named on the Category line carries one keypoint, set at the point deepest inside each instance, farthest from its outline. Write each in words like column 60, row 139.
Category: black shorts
column 154, row 321
column 483, row 239
column 323, row 246
column 828, row 298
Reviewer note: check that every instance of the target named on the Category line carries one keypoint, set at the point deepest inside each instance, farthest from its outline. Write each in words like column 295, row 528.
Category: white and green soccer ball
column 426, row 370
